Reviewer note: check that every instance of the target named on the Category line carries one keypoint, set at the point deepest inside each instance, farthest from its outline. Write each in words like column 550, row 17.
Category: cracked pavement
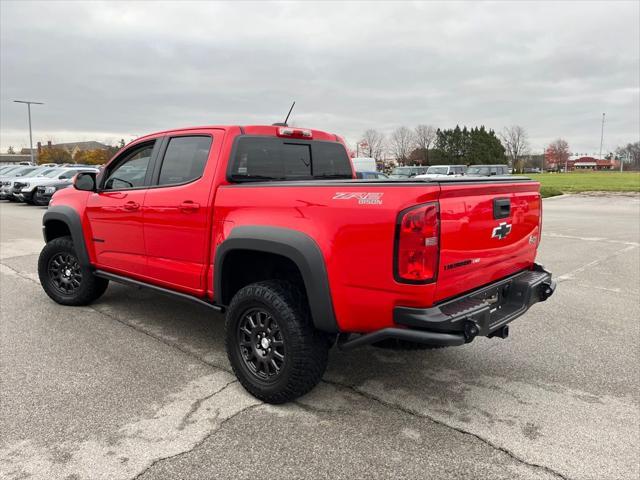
column 138, row 386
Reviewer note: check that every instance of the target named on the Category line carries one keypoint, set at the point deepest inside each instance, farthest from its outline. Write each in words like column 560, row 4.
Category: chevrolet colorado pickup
column 268, row 225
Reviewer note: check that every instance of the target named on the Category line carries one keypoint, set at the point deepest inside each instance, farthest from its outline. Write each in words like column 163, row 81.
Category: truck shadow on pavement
column 199, row 332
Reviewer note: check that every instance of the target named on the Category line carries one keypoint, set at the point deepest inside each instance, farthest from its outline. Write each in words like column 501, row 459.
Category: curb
column 558, row 197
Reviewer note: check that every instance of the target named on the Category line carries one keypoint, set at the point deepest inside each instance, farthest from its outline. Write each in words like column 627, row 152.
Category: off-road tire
column 90, row 287
column 305, row 348
column 396, row 344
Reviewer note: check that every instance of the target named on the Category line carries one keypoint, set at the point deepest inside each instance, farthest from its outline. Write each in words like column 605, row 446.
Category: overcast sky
column 118, row 70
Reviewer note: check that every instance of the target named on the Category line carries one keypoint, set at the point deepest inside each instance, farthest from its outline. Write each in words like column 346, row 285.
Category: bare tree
column 372, row 144
column 515, row 143
column 425, row 137
column 631, row 153
column 557, row 155
column 401, row 144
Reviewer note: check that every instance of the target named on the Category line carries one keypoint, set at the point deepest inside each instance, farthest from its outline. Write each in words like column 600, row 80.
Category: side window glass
column 184, row 160
column 130, row 172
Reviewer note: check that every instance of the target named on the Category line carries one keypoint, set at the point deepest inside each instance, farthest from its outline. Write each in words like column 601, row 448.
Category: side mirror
column 85, row 181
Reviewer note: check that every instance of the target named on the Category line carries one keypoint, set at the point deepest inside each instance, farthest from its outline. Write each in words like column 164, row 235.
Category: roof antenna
column 284, row 124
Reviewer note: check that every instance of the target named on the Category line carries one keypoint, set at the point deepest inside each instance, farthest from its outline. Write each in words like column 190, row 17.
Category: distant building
column 576, row 162
column 590, row 163
column 14, row 157
column 74, row 147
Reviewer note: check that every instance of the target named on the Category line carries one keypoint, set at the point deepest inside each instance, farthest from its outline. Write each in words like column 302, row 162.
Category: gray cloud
column 111, row 70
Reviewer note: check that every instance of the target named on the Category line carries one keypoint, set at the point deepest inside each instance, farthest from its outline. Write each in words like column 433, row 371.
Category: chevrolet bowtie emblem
column 501, row 231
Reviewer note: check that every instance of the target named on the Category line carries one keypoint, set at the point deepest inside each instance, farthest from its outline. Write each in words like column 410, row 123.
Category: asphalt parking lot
column 138, row 385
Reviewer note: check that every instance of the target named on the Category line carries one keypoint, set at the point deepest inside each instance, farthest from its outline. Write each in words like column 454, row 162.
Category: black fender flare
column 298, row 247
column 68, row 216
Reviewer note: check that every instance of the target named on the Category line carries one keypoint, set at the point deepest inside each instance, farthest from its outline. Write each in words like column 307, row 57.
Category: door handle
column 131, row 206
column 189, row 206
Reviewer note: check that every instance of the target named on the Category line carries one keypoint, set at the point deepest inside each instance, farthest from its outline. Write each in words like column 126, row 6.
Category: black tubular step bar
column 165, row 291
column 345, row 342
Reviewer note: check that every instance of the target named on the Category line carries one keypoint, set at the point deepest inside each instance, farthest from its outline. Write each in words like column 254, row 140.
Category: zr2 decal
column 364, row 198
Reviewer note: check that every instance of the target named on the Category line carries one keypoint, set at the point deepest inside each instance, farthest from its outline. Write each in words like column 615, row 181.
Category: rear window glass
column 184, row 160
column 269, row 158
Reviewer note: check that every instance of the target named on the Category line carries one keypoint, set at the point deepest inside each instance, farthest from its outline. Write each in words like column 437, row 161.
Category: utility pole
column 29, row 103
column 601, row 137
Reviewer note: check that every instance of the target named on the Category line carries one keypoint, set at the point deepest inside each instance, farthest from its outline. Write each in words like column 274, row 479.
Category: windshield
column 37, row 172
column 406, row 171
column 478, row 171
column 22, row 171
column 437, row 171
column 54, row 172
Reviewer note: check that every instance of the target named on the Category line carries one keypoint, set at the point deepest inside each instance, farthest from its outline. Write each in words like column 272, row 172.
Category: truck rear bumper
column 483, row 312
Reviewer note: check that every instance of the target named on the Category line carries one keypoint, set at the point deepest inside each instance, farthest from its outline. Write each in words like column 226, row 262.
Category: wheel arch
column 60, row 221
column 293, row 246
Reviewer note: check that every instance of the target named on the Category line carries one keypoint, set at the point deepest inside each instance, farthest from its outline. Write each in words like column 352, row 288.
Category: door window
column 130, row 172
column 184, row 160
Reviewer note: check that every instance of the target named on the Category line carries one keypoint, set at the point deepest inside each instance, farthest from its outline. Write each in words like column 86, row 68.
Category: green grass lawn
column 574, row 182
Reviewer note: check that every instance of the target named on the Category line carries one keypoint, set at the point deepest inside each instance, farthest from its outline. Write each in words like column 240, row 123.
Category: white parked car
column 9, row 176
column 364, row 164
column 439, row 171
column 24, row 189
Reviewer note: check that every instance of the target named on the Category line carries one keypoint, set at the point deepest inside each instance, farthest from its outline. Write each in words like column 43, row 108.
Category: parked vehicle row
column 36, row 185
column 439, row 171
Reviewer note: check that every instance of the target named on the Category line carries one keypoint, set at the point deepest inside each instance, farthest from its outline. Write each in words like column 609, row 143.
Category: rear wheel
column 64, row 279
column 272, row 346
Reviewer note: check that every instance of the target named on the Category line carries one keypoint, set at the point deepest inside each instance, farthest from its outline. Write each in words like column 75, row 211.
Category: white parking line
column 589, row 239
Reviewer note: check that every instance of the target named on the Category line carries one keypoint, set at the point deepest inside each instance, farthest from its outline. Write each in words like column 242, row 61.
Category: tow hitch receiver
column 546, row 290
column 502, row 332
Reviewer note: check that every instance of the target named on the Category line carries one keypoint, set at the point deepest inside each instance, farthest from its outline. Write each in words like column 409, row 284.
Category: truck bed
column 354, row 223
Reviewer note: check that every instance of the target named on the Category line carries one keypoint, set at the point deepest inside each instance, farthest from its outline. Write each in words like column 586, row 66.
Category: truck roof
column 270, row 130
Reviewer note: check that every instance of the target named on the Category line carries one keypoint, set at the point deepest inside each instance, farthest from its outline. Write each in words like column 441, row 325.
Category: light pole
column 601, row 137
column 28, row 102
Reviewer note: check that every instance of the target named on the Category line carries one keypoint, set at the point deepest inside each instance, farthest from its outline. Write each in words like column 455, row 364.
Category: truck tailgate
column 487, row 231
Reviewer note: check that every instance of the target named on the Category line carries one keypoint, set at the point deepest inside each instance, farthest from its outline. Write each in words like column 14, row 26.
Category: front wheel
column 272, row 345
column 64, row 279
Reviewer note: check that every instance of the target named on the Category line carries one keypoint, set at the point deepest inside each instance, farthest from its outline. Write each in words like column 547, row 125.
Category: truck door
column 115, row 210
column 177, row 211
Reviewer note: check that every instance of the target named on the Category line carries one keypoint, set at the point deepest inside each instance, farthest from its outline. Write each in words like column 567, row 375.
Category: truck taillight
column 540, row 224
column 294, row 132
column 417, row 244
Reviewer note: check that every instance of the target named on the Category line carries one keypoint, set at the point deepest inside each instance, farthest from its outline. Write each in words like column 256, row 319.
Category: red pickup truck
column 269, row 225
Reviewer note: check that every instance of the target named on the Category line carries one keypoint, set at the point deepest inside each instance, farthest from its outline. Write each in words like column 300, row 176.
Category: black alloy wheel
column 261, row 344
column 65, row 273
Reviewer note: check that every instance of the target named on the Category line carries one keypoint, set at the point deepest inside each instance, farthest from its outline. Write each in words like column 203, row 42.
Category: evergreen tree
column 468, row 146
